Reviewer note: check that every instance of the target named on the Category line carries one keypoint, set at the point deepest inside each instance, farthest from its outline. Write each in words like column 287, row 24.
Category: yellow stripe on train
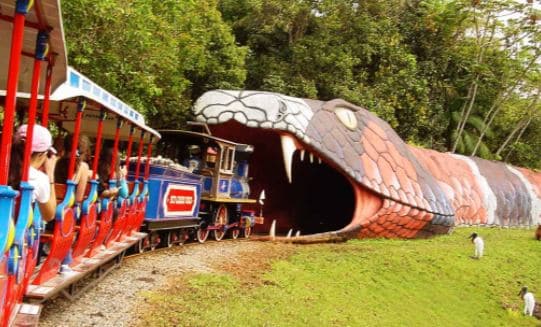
column 11, row 235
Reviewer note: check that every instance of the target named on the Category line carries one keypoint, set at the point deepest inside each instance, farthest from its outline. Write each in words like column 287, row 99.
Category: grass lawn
column 364, row 283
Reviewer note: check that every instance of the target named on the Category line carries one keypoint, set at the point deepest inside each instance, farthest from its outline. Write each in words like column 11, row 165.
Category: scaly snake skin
column 421, row 192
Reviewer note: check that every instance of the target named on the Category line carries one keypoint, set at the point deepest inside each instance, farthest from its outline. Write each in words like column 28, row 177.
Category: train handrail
column 7, row 225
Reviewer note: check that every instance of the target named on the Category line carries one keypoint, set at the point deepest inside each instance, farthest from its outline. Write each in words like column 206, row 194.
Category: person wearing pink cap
column 42, row 164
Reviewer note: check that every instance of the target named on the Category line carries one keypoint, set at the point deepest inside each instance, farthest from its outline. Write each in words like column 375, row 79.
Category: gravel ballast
column 114, row 300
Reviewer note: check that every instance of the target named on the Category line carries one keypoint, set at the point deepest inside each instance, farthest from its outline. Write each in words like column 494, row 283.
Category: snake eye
column 282, row 109
column 347, row 117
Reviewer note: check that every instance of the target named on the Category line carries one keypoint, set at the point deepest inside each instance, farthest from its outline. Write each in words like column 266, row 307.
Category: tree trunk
column 520, row 124
column 465, row 116
column 482, row 49
column 524, row 122
column 518, row 138
column 496, row 106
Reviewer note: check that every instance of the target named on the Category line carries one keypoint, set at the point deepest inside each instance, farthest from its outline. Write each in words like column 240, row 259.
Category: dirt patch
column 146, row 279
column 249, row 266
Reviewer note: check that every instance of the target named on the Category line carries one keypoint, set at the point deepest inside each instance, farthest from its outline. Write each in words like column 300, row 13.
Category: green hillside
column 365, row 283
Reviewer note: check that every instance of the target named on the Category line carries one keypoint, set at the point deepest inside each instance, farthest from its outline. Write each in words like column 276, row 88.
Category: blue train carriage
column 172, row 210
column 198, row 184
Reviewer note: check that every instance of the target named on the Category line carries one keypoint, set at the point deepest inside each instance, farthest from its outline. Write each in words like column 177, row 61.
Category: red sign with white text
column 180, row 200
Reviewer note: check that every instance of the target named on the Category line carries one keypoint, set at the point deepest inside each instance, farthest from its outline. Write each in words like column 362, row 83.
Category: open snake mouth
column 330, row 169
column 304, row 192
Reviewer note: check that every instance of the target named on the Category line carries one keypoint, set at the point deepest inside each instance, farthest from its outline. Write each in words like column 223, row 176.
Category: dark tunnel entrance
column 319, row 199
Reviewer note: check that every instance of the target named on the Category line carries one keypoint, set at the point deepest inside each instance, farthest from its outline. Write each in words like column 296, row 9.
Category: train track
column 185, row 244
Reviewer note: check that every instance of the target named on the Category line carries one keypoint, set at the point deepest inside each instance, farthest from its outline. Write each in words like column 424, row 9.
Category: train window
column 210, row 157
column 227, row 159
column 230, row 154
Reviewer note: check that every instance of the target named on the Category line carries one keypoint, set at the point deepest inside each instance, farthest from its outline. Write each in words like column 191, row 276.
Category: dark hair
column 62, row 166
column 16, row 162
column 85, row 147
column 104, row 166
column 61, row 170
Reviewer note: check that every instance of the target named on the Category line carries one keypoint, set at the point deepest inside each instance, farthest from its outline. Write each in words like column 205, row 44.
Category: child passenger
column 41, row 170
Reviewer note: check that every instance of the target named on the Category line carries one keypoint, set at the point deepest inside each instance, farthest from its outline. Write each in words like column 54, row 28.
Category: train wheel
column 247, row 231
column 169, row 239
column 154, row 240
column 141, row 244
column 235, row 233
column 220, row 220
column 202, row 234
column 182, row 237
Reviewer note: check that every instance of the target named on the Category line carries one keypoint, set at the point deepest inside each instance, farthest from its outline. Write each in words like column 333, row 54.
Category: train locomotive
column 201, row 187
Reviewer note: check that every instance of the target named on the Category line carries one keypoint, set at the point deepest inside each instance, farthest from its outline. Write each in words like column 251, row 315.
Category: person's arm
column 82, row 180
column 123, row 191
column 109, row 193
column 47, row 209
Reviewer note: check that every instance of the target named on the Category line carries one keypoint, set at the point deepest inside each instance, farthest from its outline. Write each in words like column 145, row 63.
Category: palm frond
column 477, row 123
column 484, row 151
column 469, row 141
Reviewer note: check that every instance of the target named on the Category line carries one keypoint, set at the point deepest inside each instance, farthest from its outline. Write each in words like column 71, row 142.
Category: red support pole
column 149, row 153
column 41, row 52
column 81, row 104
column 97, row 151
column 11, row 94
column 115, row 148
column 36, row 26
column 31, row 119
column 139, row 153
column 46, row 100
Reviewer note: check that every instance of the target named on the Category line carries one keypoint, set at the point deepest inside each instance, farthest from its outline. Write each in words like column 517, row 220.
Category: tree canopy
column 453, row 75
column 155, row 55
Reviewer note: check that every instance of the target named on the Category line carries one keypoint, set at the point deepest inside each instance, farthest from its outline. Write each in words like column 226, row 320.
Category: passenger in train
column 104, row 170
column 42, row 165
column 82, row 170
column 194, row 162
column 81, row 177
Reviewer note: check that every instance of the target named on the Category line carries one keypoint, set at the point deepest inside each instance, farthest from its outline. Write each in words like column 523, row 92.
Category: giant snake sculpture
column 348, row 174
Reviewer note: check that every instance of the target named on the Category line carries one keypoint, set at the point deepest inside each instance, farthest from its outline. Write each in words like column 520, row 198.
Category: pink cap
column 41, row 139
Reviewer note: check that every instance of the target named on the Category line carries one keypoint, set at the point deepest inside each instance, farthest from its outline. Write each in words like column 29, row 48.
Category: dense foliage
column 453, row 75
column 155, row 55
